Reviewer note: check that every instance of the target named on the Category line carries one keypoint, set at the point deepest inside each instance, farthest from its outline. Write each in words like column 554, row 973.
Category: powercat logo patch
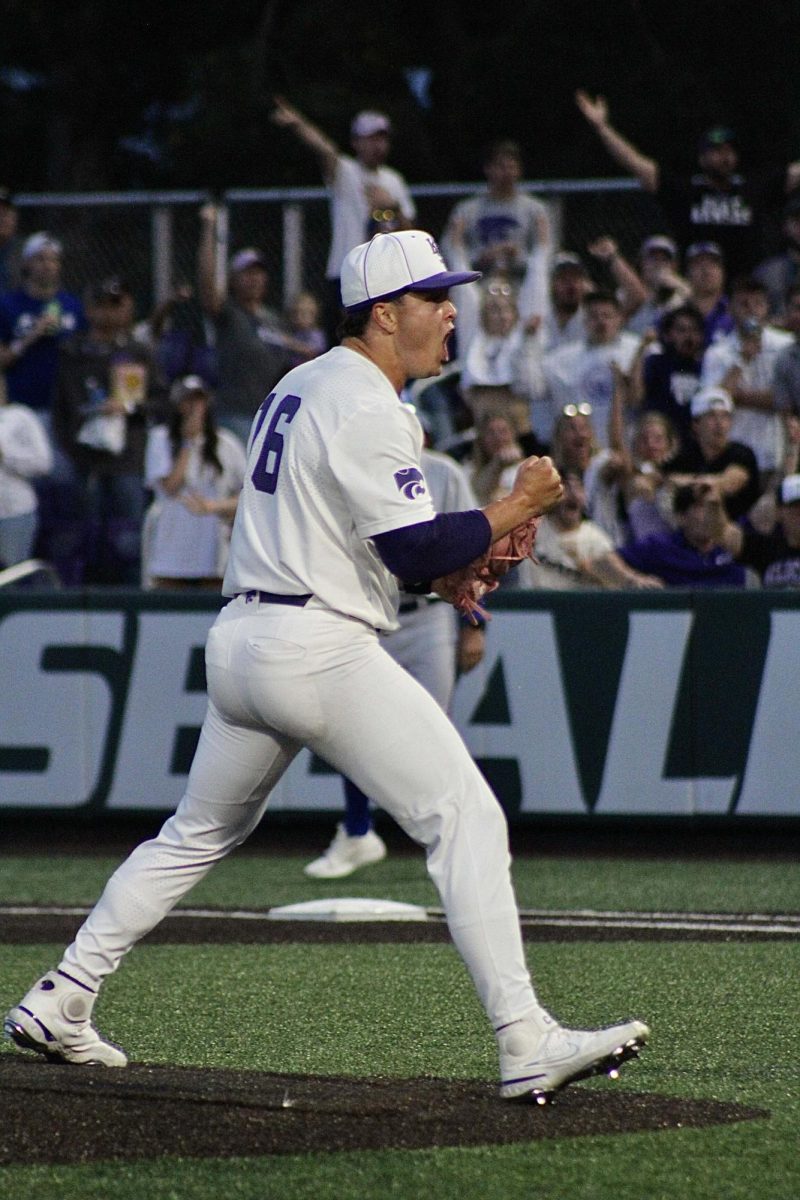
column 410, row 482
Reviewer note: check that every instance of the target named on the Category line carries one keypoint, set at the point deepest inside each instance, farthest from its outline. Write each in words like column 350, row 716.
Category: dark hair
column 602, row 296
column 353, row 324
column 793, row 291
column 684, row 498
column 675, row 314
column 210, row 438
column 747, row 284
column 501, row 148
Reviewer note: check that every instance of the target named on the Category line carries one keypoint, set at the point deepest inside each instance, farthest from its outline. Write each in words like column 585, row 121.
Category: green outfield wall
column 667, row 704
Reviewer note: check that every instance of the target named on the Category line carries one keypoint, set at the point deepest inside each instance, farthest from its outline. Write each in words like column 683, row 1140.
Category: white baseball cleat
column 53, row 1020
column 534, row 1066
column 346, row 854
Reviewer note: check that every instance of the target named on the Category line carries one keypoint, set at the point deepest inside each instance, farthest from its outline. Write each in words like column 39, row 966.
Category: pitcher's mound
column 61, row 1114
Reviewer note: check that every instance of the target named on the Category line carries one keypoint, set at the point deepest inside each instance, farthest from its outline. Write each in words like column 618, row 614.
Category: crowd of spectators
column 665, row 384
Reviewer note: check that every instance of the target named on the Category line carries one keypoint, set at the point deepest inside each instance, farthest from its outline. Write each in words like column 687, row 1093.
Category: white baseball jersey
column 760, row 429
column 349, row 207
column 334, row 458
column 577, row 373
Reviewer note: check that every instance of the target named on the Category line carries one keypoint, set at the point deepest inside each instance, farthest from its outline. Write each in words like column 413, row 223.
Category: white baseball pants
column 282, row 677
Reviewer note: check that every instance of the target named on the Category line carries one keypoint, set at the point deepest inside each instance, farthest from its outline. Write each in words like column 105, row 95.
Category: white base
column 349, row 909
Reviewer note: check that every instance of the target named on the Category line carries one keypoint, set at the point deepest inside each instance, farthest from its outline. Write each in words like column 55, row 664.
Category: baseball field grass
column 723, row 1015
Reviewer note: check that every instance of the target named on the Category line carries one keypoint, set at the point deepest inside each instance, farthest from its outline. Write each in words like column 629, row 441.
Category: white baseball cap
column 789, row 490
column 38, row 242
column 659, row 242
column 393, row 263
column 565, row 261
column 368, row 123
column 249, row 257
column 189, row 385
column 711, row 399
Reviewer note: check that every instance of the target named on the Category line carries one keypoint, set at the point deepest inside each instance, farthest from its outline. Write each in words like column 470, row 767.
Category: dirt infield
column 38, row 928
column 58, row 1114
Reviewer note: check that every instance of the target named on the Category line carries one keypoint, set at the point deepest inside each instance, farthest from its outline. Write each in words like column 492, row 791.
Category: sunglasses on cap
column 576, row 410
column 499, row 289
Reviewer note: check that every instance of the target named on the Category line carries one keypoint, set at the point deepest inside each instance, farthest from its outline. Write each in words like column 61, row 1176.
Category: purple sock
column 356, row 813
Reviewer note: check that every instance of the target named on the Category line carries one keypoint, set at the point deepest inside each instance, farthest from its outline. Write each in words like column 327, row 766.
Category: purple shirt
column 671, row 558
column 31, row 379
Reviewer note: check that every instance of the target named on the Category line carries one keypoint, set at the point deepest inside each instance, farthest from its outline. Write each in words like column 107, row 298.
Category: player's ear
column 384, row 314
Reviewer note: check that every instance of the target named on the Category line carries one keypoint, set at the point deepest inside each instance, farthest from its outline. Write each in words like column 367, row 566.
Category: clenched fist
column 540, row 483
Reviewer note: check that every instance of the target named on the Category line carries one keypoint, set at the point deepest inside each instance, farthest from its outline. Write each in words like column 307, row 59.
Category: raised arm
column 288, row 117
column 616, row 419
column 636, row 383
column 595, row 110
column 726, row 533
column 630, row 288
column 533, row 295
column 210, row 295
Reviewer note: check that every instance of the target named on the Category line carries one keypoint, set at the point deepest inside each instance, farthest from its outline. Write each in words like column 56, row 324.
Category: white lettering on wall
column 772, row 775
column 633, row 780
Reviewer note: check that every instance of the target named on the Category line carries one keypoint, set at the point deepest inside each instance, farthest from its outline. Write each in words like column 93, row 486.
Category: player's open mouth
column 446, row 348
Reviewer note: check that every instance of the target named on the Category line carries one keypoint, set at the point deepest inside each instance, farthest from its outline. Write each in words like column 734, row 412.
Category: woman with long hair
column 196, row 471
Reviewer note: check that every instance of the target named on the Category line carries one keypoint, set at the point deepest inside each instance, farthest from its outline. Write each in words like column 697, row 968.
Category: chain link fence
column 150, row 238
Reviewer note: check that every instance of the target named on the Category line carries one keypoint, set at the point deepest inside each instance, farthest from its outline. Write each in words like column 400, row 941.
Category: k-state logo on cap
column 410, row 482
column 435, row 249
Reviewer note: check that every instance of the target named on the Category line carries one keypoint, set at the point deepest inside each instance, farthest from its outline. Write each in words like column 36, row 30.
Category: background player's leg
column 425, row 646
column 355, row 843
column 356, row 810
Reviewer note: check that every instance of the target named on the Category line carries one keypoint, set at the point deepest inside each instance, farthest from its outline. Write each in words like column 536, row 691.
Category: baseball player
column 334, row 518
column 430, row 642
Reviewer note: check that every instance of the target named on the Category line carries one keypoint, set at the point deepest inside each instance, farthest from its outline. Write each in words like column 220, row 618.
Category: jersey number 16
column 265, row 472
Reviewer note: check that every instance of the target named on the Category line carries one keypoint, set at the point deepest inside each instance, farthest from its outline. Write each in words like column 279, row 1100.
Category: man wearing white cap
column 665, row 288
column 366, row 196
column 711, row 455
column 34, row 318
column 250, row 337
column 744, row 364
column 334, row 513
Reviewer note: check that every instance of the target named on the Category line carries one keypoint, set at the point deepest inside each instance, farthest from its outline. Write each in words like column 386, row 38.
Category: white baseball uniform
column 334, row 459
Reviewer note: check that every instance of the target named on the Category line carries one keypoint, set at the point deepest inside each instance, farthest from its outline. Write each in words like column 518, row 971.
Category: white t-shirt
column 334, row 459
column 759, row 429
column 488, row 220
column 553, row 335
column 559, row 553
column 180, row 544
column 24, row 453
column 350, row 211
column 579, row 373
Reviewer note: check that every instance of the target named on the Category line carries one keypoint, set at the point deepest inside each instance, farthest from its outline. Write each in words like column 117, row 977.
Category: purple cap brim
column 445, row 279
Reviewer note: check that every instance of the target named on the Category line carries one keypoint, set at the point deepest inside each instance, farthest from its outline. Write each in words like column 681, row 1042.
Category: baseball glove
column 465, row 588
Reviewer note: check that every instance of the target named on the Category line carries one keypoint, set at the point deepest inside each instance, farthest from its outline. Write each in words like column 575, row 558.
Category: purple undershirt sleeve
column 425, row 551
